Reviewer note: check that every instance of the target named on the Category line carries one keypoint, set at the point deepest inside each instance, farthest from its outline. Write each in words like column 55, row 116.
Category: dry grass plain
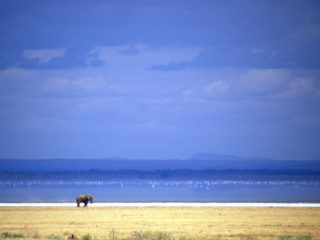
column 160, row 223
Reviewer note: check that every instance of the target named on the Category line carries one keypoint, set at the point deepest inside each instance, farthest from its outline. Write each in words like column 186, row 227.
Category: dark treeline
column 53, row 165
column 161, row 174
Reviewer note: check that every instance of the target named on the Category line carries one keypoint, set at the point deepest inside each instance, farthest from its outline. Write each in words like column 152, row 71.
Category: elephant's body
column 84, row 199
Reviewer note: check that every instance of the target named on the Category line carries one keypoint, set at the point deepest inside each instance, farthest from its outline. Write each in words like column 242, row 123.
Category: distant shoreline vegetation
column 162, row 174
column 162, row 167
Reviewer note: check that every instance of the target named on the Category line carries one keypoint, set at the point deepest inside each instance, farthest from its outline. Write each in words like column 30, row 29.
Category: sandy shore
column 180, row 222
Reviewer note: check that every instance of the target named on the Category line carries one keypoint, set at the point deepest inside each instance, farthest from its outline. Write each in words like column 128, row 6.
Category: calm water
column 14, row 191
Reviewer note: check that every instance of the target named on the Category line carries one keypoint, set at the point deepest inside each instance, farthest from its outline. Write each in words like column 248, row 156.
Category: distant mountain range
column 201, row 161
column 223, row 157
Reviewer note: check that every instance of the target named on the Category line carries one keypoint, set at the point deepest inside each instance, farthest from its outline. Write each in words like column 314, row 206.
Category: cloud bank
column 159, row 79
column 43, row 56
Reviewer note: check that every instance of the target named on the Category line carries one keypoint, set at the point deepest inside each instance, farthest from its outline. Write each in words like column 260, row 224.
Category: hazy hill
column 195, row 163
column 223, row 157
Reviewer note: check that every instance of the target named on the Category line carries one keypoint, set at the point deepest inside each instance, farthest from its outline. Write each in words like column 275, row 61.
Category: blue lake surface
column 149, row 190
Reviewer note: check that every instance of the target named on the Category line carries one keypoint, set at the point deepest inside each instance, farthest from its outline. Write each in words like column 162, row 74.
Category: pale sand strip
column 163, row 204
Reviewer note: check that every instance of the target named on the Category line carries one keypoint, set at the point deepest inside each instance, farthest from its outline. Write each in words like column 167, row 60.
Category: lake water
column 149, row 190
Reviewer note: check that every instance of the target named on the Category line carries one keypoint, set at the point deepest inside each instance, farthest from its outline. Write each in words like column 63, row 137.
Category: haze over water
column 235, row 180
column 136, row 190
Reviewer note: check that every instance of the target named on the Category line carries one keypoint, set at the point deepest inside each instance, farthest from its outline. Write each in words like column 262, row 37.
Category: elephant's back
column 80, row 197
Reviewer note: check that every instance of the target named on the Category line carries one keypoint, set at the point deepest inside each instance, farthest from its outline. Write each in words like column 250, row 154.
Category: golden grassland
column 160, row 222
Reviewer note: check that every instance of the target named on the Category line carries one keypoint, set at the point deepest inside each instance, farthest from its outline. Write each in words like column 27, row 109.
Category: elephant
column 84, row 199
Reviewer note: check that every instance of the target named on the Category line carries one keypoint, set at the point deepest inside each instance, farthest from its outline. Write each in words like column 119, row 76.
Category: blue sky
column 159, row 79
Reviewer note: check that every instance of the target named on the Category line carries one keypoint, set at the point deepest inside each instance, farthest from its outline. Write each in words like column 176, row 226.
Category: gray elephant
column 84, row 199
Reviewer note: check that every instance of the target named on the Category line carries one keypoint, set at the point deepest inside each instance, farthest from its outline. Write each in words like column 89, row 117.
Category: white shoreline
column 163, row 204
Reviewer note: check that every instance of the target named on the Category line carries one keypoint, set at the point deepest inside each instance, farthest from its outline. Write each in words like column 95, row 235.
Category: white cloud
column 297, row 87
column 263, row 81
column 301, row 84
column 141, row 55
column 257, row 89
column 216, row 87
column 269, row 82
column 43, row 56
column 200, row 91
column 86, row 84
column 59, row 83
column 248, row 83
